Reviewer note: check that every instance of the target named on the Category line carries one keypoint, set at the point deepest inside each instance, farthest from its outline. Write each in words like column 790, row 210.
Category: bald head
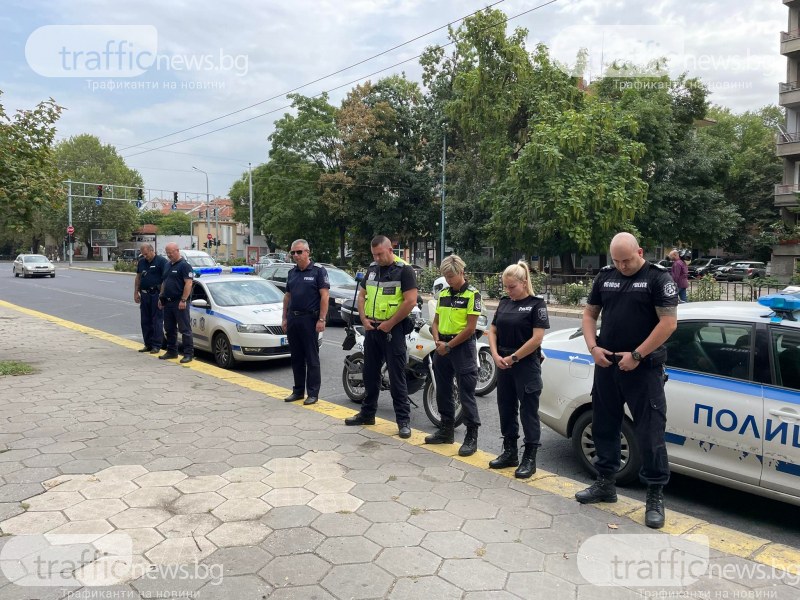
column 173, row 252
column 626, row 254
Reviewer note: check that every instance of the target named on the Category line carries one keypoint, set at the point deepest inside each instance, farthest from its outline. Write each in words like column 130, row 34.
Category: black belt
column 151, row 290
column 445, row 337
column 165, row 299
column 300, row 313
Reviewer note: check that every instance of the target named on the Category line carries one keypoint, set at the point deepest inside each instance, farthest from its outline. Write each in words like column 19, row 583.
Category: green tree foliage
column 83, row 158
column 30, row 184
column 175, row 223
column 150, row 217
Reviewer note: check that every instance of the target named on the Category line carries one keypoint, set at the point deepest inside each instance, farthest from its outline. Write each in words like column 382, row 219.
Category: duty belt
column 446, row 337
column 151, row 290
column 300, row 313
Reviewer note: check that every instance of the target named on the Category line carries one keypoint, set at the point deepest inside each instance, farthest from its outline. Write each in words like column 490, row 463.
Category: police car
column 237, row 317
column 733, row 396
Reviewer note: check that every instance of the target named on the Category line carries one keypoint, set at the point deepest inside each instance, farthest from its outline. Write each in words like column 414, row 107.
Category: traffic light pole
column 69, row 217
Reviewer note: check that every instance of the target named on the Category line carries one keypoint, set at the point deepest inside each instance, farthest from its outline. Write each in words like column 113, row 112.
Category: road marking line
column 724, row 539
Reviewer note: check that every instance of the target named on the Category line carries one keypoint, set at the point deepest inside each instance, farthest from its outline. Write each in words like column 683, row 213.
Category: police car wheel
column 223, row 353
column 487, row 373
column 584, row 448
column 432, row 409
column 353, row 381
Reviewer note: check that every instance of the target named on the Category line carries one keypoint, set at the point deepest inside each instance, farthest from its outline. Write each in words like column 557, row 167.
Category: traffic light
column 216, row 241
column 174, row 200
column 99, row 199
column 140, row 194
column 192, row 245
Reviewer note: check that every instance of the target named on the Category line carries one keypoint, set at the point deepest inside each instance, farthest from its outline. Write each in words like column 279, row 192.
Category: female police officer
column 514, row 338
column 456, row 355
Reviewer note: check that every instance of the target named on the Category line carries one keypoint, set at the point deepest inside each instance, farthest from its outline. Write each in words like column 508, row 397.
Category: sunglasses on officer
column 293, row 252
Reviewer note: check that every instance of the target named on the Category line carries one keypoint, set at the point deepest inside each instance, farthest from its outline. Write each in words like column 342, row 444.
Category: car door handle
column 790, row 414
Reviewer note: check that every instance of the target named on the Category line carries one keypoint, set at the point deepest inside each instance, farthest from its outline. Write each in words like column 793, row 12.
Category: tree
column 175, row 223
column 150, row 217
column 30, row 184
column 83, row 158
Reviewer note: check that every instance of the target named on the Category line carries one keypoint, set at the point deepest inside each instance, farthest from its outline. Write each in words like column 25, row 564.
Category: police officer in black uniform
column 385, row 299
column 176, row 291
column 515, row 338
column 638, row 301
column 453, row 330
column 146, row 288
column 305, row 308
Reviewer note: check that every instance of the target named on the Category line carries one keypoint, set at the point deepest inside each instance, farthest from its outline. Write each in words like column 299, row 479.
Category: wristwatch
column 636, row 356
column 514, row 358
column 447, row 347
column 321, row 320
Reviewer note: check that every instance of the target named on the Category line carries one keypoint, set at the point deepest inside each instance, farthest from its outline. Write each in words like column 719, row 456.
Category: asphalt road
column 105, row 301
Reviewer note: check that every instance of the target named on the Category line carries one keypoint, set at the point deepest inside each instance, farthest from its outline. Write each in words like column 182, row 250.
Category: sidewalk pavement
column 191, row 481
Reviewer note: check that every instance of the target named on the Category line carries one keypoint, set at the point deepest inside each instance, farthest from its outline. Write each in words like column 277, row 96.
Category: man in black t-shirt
column 638, row 301
column 146, row 288
column 175, row 294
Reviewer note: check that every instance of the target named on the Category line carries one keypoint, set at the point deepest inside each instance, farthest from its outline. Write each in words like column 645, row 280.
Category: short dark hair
column 380, row 240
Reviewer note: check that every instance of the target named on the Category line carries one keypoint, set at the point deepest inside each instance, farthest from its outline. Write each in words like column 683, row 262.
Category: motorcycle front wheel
column 487, row 373
column 432, row 409
column 353, row 378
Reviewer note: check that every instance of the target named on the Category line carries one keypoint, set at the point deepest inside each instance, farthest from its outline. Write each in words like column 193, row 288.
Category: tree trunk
column 567, row 266
column 342, row 259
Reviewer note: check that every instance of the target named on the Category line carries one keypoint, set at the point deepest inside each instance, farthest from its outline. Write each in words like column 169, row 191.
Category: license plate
column 284, row 341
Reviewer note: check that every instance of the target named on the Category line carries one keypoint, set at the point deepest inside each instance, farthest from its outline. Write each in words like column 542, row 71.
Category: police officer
column 386, row 297
column 175, row 293
column 146, row 287
column 456, row 355
column 515, row 338
column 638, row 301
column 305, row 307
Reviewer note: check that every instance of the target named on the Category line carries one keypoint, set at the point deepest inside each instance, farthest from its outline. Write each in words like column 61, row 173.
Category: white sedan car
column 733, row 396
column 33, row 265
column 238, row 318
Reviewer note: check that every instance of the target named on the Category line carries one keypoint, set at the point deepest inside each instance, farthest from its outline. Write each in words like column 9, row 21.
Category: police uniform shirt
column 455, row 306
column 151, row 274
column 629, row 304
column 515, row 320
column 304, row 286
column 175, row 278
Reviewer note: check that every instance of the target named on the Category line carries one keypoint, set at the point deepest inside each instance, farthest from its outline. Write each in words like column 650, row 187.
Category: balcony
column 787, row 144
column 786, row 195
column 789, row 94
column 790, row 42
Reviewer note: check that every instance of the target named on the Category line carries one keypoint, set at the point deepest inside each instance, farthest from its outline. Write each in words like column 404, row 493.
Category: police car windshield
column 246, row 292
column 337, row 277
column 200, row 261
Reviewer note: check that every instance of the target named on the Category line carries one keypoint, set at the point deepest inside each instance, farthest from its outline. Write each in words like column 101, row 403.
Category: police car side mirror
column 359, row 276
column 200, row 303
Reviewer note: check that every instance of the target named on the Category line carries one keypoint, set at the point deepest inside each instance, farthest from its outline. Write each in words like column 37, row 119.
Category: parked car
column 130, row 254
column 733, row 394
column 700, row 267
column 198, row 258
column 33, row 265
column 343, row 286
column 747, row 270
column 721, row 273
column 264, row 261
column 238, row 318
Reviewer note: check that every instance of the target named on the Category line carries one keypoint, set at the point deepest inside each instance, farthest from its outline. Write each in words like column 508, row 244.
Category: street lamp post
column 252, row 239
column 444, row 167
column 208, row 201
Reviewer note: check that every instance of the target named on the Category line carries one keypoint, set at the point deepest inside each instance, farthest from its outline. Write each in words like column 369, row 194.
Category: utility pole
column 444, row 164
column 69, row 218
column 252, row 234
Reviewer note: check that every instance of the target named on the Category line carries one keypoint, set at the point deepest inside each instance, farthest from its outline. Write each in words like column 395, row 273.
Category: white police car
column 237, row 317
column 733, row 396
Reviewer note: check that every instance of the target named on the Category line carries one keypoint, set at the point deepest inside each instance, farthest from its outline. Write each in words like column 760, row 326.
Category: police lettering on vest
column 384, row 288
column 455, row 306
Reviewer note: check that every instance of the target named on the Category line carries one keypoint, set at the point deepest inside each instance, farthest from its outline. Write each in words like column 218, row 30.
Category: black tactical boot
column 602, row 490
column 509, row 457
column 443, row 435
column 527, row 465
column 654, row 508
column 470, row 445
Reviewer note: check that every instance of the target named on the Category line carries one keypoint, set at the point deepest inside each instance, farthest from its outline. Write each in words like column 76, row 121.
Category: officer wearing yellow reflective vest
column 456, row 355
column 385, row 299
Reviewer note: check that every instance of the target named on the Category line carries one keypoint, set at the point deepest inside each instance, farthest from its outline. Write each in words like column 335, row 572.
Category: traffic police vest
column 455, row 306
column 383, row 293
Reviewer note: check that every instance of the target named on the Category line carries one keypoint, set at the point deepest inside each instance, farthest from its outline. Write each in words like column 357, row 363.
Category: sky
column 129, row 72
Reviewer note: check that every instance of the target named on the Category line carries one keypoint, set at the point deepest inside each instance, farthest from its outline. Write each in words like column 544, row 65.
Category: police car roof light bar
column 207, row 271
column 242, row 269
column 784, row 305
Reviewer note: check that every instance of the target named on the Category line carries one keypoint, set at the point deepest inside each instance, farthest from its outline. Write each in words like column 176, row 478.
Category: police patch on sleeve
column 477, row 302
column 190, row 275
column 542, row 314
column 670, row 289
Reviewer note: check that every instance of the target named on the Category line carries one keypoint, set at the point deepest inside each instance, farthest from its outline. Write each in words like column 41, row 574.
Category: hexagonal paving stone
column 422, row 500
column 491, row 530
column 514, row 557
column 283, row 517
column 204, row 483
column 451, row 544
column 201, row 502
column 286, row 464
column 241, row 509
column 142, row 539
column 333, row 524
column 95, row 509
column 384, row 512
column 96, row 528
column 390, row 535
column 348, row 550
column 422, row 588
column 287, row 479
column 329, row 503
column 180, row 551
column 472, row 574
column 53, row 501
column 239, row 560
column 139, row 517
column 523, row 517
column 301, row 593
column 299, row 569
column 242, row 474
column 436, row 520
column 151, row 496
column 442, row 474
column 160, row 479
column 324, row 470
column 329, row 485
column 546, row 585
column 188, row 525
column 295, row 540
column 245, row 489
column 33, row 522
column 288, row 497
column 471, row 508
column 239, row 533
column 358, row 581
column 323, row 457
column 121, row 473
column 409, row 562
column 109, row 489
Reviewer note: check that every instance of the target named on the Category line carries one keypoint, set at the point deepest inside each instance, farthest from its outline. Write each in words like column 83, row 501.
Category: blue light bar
column 784, row 305
column 207, row 270
column 242, row 269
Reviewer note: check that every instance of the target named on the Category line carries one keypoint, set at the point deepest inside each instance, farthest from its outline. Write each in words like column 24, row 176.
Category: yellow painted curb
column 724, row 539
